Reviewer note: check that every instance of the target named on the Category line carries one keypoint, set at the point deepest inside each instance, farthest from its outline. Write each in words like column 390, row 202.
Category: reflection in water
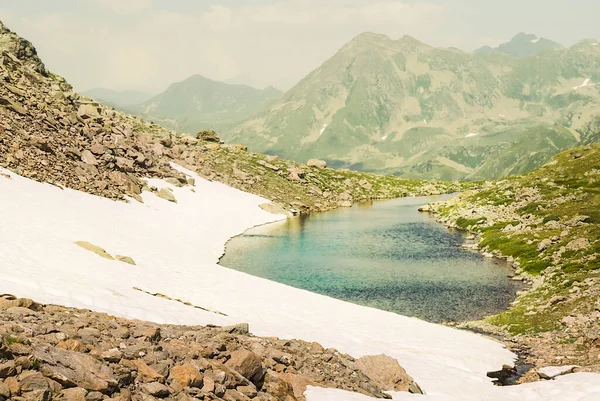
column 381, row 254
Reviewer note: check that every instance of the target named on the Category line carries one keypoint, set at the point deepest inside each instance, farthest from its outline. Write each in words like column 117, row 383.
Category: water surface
column 385, row 255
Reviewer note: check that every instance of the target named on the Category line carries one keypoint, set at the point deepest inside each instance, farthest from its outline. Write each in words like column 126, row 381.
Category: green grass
column 565, row 191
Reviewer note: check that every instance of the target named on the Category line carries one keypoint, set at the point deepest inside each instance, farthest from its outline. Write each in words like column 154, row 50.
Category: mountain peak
column 21, row 49
column 523, row 45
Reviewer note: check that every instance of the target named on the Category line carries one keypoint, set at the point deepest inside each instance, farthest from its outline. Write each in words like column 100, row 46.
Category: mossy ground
column 560, row 202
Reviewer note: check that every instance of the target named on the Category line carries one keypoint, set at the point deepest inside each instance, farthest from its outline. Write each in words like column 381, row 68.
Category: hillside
column 114, row 98
column 547, row 223
column 200, row 103
column 523, row 45
column 51, row 134
column 406, row 108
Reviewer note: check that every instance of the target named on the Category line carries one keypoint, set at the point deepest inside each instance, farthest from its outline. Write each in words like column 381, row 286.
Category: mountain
column 523, row 45
column 403, row 107
column 199, row 103
column 117, row 98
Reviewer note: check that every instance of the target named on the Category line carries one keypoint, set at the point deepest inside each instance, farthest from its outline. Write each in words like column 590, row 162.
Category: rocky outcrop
column 51, row 352
column 317, row 163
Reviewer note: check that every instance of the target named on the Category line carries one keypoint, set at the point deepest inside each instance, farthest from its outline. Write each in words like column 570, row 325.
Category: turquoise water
column 385, row 255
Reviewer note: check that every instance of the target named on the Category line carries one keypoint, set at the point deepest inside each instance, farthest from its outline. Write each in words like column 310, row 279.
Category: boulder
column 166, row 194
column 248, row 364
column 74, row 369
column 316, row 163
column 543, row 245
column 88, row 158
column 385, row 371
column 87, row 111
column 186, row 375
column 578, row 244
column 208, row 136
column 155, row 389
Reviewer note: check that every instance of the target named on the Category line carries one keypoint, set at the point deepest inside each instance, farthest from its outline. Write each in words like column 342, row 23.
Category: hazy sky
column 148, row 44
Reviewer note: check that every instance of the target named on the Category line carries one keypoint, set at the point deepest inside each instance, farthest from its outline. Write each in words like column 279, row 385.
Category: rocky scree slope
column 406, row 108
column 54, row 353
column 547, row 223
column 51, row 134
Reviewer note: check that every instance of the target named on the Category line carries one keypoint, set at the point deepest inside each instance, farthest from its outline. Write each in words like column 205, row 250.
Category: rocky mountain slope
column 546, row 223
column 200, row 103
column 51, row 134
column 51, row 352
column 403, row 107
column 114, row 98
column 523, row 45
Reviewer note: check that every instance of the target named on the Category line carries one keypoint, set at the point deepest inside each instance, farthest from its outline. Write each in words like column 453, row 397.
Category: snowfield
column 176, row 248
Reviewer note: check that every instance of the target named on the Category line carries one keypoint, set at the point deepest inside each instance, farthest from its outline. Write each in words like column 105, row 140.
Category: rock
column 147, row 373
column 112, row 355
column 578, row 244
column 208, row 136
column 320, row 164
column 551, row 372
column 7, row 369
column 155, row 389
column 73, row 394
column 186, row 375
column 87, row 111
column 20, row 302
column 152, row 334
column 71, row 345
column 267, row 165
column 274, row 208
column 72, row 369
column 248, row 364
column 88, row 158
column 345, row 203
column 385, row 371
column 97, row 149
column 125, row 259
column 166, row 194
column 9, row 104
column 94, row 248
column 32, row 381
column 236, row 147
column 4, row 391
column 543, row 245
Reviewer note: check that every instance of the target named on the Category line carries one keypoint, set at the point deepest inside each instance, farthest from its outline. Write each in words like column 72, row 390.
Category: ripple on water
column 385, row 255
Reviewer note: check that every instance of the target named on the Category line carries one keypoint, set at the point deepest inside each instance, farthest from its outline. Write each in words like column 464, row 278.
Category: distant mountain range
column 403, row 107
column 406, row 108
column 523, row 45
column 199, row 103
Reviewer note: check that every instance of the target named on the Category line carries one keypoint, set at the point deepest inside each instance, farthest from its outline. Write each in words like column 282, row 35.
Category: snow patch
column 584, row 84
column 176, row 248
column 383, row 138
column 323, row 129
column 472, row 134
column 534, row 41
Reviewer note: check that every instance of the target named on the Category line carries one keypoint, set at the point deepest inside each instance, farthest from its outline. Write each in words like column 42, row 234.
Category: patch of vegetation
column 466, row 223
column 557, row 192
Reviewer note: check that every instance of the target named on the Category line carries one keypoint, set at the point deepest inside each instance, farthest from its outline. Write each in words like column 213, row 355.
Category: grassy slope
column 556, row 204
